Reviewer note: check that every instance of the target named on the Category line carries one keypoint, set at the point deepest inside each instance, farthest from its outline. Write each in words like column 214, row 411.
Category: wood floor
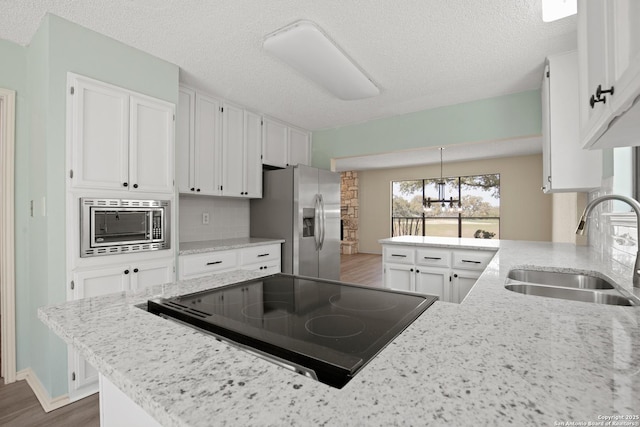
column 20, row 408
column 364, row 269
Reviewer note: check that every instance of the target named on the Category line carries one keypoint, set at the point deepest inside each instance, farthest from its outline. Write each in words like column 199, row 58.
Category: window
column 478, row 215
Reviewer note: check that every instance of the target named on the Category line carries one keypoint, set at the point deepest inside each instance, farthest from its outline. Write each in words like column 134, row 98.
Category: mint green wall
column 58, row 47
column 13, row 75
column 508, row 116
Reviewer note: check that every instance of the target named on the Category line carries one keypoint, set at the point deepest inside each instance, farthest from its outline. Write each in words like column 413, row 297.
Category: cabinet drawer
column 208, row 263
column 399, row 255
column 472, row 260
column 433, row 257
column 260, row 254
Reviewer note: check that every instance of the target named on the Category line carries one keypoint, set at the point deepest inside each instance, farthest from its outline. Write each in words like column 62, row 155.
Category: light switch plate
column 205, row 218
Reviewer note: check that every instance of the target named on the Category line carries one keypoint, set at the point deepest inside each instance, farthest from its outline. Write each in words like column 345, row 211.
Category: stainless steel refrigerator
column 301, row 205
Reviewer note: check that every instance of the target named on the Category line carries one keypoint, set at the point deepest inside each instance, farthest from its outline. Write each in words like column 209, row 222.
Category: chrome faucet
column 582, row 225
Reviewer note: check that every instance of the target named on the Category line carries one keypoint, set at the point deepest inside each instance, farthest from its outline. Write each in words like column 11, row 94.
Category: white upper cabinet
column 198, row 144
column 274, row 143
column 207, row 162
column 283, row 145
column 609, row 52
column 241, row 148
column 220, row 147
column 299, row 146
column 185, row 139
column 150, row 145
column 566, row 166
column 252, row 155
column 119, row 139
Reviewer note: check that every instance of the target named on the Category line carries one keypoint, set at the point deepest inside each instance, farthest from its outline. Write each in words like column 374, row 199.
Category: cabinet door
column 593, row 51
column 274, row 143
column 253, row 154
column 99, row 134
column 185, row 140
column 151, row 273
column 208, row 152
column 433, row 281
column 546, row 131
column 151, row 145
column 92, row 283
column 463, row 281
column 398, row 276
column 625, row 46
column 299, row 147
column 232, row 151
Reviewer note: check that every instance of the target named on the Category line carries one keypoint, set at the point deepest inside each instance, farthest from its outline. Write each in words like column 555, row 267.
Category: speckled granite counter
column 188, row 248
column 499, row 358
column 443, row 242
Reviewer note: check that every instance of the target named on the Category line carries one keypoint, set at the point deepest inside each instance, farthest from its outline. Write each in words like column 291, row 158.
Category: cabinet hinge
column 73, row 376
column 222, row 109
column 73, row 285
column 261, row 122
column 71, row 173
column 72, row 90
column 449, row 278
column 221, row 188
column 174, row 117
column 547, row 74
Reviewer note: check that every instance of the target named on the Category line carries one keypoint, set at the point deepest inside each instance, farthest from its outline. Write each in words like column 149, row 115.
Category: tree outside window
column 478, row 216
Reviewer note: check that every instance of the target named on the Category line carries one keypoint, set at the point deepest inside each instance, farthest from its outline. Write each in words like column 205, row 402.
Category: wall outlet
column 205, row 218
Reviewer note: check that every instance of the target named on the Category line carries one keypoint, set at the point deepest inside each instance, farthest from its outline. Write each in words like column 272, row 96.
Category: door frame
column 7, row 237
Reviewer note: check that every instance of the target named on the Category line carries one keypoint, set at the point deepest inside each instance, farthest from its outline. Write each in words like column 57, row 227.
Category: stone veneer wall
column 349, row 212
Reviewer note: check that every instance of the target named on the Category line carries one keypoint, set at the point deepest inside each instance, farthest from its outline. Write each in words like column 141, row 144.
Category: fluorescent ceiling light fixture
column 553, row 10
column 306, row 48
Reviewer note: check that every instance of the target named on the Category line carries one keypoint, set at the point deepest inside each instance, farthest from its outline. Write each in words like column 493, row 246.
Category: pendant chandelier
column 451, row 203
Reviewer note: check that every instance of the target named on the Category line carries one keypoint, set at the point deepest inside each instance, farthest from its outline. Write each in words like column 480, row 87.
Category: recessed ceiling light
column 306, row 48
column 553, row 10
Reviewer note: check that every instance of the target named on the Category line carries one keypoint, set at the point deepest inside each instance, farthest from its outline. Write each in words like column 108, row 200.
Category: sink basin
column 565, row 280
column 570, row 294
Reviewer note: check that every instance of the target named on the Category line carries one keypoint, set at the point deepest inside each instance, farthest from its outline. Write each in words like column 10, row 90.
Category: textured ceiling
column 421, row 53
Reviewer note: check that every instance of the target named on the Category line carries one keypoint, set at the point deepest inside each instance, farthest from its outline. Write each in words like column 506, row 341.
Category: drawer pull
column 261, row 255
column 432, row 257
column 472, row 262
column 401, row 256
column 214, row 262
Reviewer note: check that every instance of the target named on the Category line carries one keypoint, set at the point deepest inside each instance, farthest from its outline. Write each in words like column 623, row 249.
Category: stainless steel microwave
column 117, row 226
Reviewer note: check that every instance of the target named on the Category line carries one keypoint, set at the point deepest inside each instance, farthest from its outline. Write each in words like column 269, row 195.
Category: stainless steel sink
column 569, row 294
column 564, row 280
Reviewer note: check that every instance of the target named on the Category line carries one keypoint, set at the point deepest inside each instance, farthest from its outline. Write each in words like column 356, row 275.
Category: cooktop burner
column 325, row 329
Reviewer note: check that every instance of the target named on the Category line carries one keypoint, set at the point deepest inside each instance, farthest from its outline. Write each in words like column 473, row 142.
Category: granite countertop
column 443, row 242
column 498, row 358
column 189, row 248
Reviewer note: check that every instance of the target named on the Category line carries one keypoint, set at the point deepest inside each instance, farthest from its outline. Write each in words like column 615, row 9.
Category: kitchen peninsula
column 497, row 358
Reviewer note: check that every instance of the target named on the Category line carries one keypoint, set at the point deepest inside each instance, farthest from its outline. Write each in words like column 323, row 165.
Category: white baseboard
column 47, row 403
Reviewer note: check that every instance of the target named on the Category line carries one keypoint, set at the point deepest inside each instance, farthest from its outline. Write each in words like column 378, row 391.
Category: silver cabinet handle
column 214, row 262
column 472, row 262
column 401, row 256
column 261, row 255
column 432, row 257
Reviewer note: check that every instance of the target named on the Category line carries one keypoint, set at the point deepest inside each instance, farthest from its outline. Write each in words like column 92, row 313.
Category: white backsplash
column 228, row 218
column 615, row 234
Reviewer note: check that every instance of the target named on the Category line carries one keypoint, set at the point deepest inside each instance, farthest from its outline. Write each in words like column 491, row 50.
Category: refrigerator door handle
column 322, row 221
column 317, row 220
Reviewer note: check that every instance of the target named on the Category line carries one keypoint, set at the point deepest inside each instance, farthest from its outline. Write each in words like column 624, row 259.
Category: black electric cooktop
column 324, row 329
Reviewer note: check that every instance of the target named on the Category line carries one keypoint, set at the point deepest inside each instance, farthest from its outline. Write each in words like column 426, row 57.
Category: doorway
column 7, row 253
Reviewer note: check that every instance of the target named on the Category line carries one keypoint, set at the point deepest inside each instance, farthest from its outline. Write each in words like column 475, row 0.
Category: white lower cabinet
column 462, row 281
column 104, row 280
column 264, row 258
column 446, row 273
column 433, row 281
column 117, row 409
